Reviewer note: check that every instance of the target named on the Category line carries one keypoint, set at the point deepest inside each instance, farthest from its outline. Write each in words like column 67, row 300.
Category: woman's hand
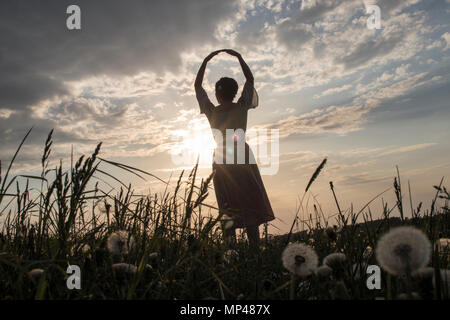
column 232, row 52
column 212, row 54
column 201, row 71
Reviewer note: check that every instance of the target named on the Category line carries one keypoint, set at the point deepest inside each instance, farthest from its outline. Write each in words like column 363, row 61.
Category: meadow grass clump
column 171, row 246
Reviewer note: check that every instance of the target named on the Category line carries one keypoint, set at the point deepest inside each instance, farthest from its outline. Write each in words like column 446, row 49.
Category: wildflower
column 402, row 250
column 335, row 260
column 124, row 268
column 324, row 271
column 35, row 274
column 120, row 242
column 230, row 255
column 299, row 259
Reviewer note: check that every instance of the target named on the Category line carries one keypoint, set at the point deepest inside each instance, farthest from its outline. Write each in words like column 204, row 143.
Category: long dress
column 239, row 189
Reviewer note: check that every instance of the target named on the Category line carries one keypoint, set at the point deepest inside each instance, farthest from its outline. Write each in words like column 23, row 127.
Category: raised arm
column 245, row 69
column 201, row 71
column 205, row 104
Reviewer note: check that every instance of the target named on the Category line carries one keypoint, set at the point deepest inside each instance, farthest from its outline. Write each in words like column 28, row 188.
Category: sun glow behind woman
column 193, row 143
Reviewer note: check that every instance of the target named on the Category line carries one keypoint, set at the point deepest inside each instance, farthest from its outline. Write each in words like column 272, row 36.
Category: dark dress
column 238, row 185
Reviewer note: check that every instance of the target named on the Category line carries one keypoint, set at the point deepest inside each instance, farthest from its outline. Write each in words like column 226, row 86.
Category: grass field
column 170, row 246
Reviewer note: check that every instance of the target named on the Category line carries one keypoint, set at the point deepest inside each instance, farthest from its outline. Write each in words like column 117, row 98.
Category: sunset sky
column 366, row 99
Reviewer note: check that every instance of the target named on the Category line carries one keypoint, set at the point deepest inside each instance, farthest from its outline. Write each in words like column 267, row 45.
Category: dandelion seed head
column 335, row 260
column 324, row 271
column 120, row 243
column 403, row 249
column 300, row 259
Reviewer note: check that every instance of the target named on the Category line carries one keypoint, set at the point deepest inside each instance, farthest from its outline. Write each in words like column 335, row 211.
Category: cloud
column 39, row 54
column 384, row 151
column 345, row 119
column 20, row 90
column 339, row 120
column 128, row 73
column 446, row 37
column 80, row 82
column 333, row 91
column 362, row 178
column 408, row 148
column 311, row 11
column 369, row 50
column 388, row 7
column 293, row 35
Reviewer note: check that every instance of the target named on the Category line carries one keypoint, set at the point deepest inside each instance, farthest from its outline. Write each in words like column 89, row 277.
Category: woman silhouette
column 238, row 185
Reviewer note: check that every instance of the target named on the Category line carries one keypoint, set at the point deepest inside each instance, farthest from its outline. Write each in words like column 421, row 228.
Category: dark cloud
column 369, row 50
column 14, row 128
column 117, row 38
column 312, row 13
column 294, row 32
column 391, row 6
column 17, row 91
column 293, row 35
column 340, row 120
column 252, row 34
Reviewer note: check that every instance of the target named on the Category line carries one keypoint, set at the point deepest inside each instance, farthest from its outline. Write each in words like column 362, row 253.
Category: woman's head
column 226, row 89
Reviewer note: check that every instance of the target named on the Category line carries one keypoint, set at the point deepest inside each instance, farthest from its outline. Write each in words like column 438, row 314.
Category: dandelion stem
column 294, row 280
